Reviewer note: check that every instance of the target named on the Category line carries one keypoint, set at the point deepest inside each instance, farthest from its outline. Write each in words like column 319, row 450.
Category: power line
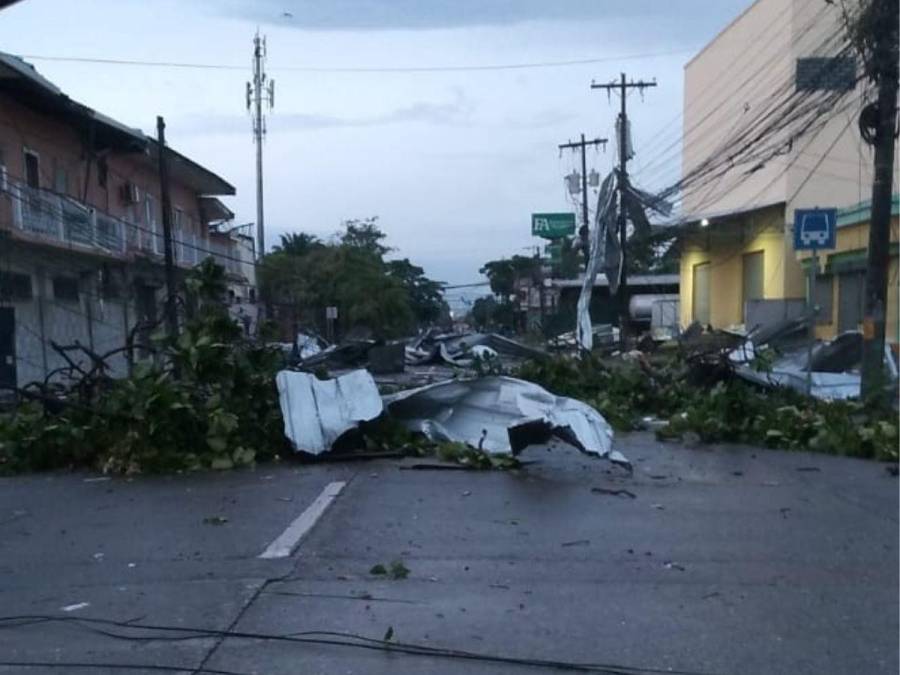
column 360, row 69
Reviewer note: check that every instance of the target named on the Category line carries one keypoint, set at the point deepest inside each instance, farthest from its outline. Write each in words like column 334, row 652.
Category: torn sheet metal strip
column 501, row 415
column 316, row 412
column 596, row 260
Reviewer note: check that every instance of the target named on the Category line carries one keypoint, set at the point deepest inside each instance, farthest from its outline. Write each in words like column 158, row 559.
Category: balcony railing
column 58, row 218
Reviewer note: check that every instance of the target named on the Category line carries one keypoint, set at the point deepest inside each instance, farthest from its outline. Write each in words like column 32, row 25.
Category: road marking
column 284, row 545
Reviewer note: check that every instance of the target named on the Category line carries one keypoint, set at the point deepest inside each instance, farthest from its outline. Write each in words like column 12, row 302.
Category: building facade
column 81, row 242
column 770, row 126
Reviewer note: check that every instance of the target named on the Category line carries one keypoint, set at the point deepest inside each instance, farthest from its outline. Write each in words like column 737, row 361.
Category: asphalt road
column 725, row 560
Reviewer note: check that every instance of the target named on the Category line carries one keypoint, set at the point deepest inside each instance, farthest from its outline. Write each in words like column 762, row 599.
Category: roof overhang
column 212, row 210
column 699, row 221
column 187, row 171
column 27, row 85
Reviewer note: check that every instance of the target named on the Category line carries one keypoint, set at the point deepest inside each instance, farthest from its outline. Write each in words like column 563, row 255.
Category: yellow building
column 730, row 259
column 738, row 264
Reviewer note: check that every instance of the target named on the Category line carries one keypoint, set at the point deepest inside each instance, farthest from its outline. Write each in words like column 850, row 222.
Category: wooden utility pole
column 166, row 202
column 623, row 86
column 884, row 64
column 582, row 144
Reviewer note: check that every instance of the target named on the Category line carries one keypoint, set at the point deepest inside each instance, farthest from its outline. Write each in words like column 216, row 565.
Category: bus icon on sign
column 814, row 228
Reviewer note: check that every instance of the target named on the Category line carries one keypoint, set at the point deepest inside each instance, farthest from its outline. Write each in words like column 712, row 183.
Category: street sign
column 331, row 313
column 552, row 225
column 814, row 229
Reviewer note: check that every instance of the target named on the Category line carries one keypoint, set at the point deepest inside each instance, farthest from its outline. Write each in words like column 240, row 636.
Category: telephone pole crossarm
column 582, row 145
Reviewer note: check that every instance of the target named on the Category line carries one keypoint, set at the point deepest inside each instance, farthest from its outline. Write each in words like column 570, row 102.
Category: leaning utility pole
column 166, row 205
column 884, row 66
column 582, row 144
column 622, row 123
column 260, row 91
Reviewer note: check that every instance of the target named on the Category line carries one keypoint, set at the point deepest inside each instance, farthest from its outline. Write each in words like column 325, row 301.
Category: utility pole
column 622, row 123
column 884, row 64
column 582, row 144
column 166, row 203
column 260, row 91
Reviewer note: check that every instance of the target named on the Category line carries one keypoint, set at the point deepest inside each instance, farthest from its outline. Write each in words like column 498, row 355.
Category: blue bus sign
column 814, row 229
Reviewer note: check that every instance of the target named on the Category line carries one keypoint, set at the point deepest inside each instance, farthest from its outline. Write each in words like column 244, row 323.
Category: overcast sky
column 453, row 161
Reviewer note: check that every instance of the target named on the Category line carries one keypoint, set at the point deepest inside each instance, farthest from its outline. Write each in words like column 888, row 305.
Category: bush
column 667, row 387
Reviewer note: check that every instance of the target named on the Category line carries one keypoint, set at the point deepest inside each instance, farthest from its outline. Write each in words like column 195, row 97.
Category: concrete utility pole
column 582, row 144
column 623, row 86
column 885, row 57
column 260, row 91
column 166, row 205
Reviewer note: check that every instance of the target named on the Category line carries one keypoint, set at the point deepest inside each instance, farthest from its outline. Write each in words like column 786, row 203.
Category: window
column 102, row 172
column 701, row 293
column 753, row 279
column 836, row 73
column 32, row 169
column 65, row 289
column 15, row 286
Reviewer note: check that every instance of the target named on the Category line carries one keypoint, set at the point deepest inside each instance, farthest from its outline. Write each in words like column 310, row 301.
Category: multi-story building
column 81, row 226
column 770, row 125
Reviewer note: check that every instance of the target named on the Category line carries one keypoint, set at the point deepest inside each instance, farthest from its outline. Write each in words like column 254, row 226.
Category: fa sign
column 814, row 229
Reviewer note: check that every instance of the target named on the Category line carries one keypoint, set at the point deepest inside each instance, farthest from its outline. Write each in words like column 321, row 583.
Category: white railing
column 61, row 219
column 58, row 218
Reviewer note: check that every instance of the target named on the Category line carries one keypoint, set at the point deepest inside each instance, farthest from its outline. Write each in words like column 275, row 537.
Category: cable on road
column 329, row 638
column 68, row 665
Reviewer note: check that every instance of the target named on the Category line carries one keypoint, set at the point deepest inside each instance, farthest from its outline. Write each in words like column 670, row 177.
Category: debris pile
column 493, row 415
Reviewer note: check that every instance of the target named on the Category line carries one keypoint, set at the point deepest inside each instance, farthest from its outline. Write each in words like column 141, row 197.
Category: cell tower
column 259, row 92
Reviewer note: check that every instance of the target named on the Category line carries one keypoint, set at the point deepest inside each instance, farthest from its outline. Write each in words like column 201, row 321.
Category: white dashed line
column 284, row 545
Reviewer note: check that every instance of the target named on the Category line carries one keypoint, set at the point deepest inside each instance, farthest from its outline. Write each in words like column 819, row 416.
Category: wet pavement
column 706, row 559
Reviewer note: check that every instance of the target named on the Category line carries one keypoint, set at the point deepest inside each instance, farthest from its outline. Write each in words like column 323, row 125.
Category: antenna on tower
column 260, row 92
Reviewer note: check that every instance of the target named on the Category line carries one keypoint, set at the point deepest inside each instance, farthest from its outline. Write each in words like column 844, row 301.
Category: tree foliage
column 389, row 298
column 504, row 273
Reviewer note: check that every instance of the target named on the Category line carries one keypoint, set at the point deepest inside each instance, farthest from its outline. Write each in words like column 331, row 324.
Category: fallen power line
column 327, row 638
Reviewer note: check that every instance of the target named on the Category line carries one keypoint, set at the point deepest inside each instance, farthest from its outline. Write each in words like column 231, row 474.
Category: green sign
column 552, row 225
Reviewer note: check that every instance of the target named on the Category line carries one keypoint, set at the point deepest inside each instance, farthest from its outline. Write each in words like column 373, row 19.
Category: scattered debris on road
column 75, row 607
column 316, row 412
column 215, row 520
column 614, row 493
column 396, row 570
column 502, row 415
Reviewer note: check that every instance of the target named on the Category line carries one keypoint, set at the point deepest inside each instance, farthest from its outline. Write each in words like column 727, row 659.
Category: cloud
column 436, row 14
column 455, row 113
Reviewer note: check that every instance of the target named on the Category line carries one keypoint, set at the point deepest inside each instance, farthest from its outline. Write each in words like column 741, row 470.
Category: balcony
column 60, row 220
column 46, row 215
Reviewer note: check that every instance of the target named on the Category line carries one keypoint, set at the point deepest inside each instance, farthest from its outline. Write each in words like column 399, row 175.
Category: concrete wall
column 727, row 85
column 100, row 319
column 744, row 74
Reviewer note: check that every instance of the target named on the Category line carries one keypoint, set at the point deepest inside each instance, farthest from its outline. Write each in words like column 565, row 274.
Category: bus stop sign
column 814, row 229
